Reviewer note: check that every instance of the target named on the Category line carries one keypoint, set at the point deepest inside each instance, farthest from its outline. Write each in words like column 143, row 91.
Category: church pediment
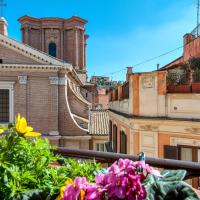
column 10, row 56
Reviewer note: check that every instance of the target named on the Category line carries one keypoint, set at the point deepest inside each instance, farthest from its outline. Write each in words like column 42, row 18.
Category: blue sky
column 122, row 32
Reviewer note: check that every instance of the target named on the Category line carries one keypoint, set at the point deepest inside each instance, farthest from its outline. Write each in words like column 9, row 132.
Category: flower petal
column 1, row 130
column 29, row 129
column 32, row 134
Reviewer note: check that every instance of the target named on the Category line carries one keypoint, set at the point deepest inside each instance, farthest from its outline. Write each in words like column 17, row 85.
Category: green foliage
column 82, row 168
column 170, row 186
column 25, row 171
column 196, row 75
column 177, row 77
column 194, row 63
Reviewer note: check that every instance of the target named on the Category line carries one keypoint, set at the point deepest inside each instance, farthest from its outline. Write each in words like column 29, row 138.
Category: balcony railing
column 192, row 168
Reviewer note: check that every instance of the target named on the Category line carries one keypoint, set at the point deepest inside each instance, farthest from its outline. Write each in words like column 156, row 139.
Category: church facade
column 46, row 89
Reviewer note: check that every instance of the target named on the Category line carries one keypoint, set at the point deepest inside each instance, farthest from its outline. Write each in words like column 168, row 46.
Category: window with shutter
column 123, row 145
column 114, row 138
column 171, row 152
column 110, row 130
column 4, row 105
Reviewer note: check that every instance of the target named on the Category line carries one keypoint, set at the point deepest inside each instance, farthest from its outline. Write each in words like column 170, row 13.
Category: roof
column 172, row 64
column 99, row 122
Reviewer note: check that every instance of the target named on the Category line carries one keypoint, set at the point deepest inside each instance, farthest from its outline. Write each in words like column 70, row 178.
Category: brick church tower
column 64, row 39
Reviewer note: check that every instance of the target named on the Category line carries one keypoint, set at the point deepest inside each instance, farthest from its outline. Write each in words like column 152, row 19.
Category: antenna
column 198, row 18
column 2, row 5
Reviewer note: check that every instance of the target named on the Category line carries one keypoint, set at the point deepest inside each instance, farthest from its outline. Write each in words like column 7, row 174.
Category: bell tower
column 64, row 39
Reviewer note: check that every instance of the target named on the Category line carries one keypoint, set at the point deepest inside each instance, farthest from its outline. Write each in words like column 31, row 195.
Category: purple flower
column 117, row 188
column 94, row 192
column 135, row 189
column 73, row 191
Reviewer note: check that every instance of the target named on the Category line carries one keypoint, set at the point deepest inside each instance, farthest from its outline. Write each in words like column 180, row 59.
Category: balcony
column 185, row 78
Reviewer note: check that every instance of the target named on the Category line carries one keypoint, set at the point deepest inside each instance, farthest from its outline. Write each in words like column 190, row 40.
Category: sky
column 122, row 32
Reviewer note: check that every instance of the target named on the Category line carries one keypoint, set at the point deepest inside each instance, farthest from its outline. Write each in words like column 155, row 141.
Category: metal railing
column 192, row 168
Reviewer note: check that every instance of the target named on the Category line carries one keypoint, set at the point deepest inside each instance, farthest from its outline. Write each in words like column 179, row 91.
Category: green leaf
column 173, row 175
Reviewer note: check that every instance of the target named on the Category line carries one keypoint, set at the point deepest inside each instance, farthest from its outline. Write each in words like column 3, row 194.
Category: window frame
column 123, row 144
column 8, row 85
column 55, row 50
column 99, row 145
column 114, row 138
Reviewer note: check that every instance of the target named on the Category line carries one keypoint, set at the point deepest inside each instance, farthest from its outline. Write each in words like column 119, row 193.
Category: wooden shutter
column 108, row 146
column 170, row 152
column 123, row 145
column 115, row 138
column 110, row 130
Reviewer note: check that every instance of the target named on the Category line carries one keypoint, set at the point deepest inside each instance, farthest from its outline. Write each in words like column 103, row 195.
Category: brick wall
column 36, row 100
column 65, row 122
column 12, row 57
column 68, row 35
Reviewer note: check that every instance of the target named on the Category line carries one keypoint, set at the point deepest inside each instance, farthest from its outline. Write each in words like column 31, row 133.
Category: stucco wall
column 121, row 106
column 183, row 105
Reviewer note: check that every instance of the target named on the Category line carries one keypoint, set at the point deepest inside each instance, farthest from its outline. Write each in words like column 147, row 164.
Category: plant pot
column 179, row 89
column 195, row 87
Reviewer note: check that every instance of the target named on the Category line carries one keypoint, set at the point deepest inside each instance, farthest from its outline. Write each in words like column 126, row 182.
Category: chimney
column 158, row 66
column 128, row 73
column 3, row 26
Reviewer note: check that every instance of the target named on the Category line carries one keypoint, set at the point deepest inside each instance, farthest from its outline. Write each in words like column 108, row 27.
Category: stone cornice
column 30, row 67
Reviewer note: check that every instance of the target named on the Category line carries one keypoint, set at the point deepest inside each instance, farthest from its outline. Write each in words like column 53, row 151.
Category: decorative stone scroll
column 52, row 33
column 148, row 82
column 22, row 80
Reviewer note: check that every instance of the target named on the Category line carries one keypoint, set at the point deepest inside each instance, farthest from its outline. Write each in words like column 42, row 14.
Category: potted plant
column 177, row 80
column 194, row 66
column 27, row 173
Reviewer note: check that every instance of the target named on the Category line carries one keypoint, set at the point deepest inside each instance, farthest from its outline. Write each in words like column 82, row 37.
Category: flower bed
column 27, row 173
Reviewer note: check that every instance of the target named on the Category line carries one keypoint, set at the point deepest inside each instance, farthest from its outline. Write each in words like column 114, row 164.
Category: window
column 123, row 144
column 100, row 147
column 183, row 152
column 4, row 105
column 110, row 130
column 6, row 102
column 52, row 49
column 114, row 138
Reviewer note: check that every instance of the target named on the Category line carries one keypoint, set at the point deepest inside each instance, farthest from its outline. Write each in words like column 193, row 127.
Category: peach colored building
column 150, row 119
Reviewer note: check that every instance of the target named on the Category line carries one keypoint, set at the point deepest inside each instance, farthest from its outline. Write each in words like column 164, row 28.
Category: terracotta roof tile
column 99, row 122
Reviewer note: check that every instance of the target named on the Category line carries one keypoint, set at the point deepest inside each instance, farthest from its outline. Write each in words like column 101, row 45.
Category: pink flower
column 120, row 166
column 94, row 192
column 73, row 191
column 117, row 188
column 135, row 190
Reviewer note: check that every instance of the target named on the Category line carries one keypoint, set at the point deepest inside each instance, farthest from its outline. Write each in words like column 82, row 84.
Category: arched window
column 114, row 138
column 52, row 49
column 123, row 141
